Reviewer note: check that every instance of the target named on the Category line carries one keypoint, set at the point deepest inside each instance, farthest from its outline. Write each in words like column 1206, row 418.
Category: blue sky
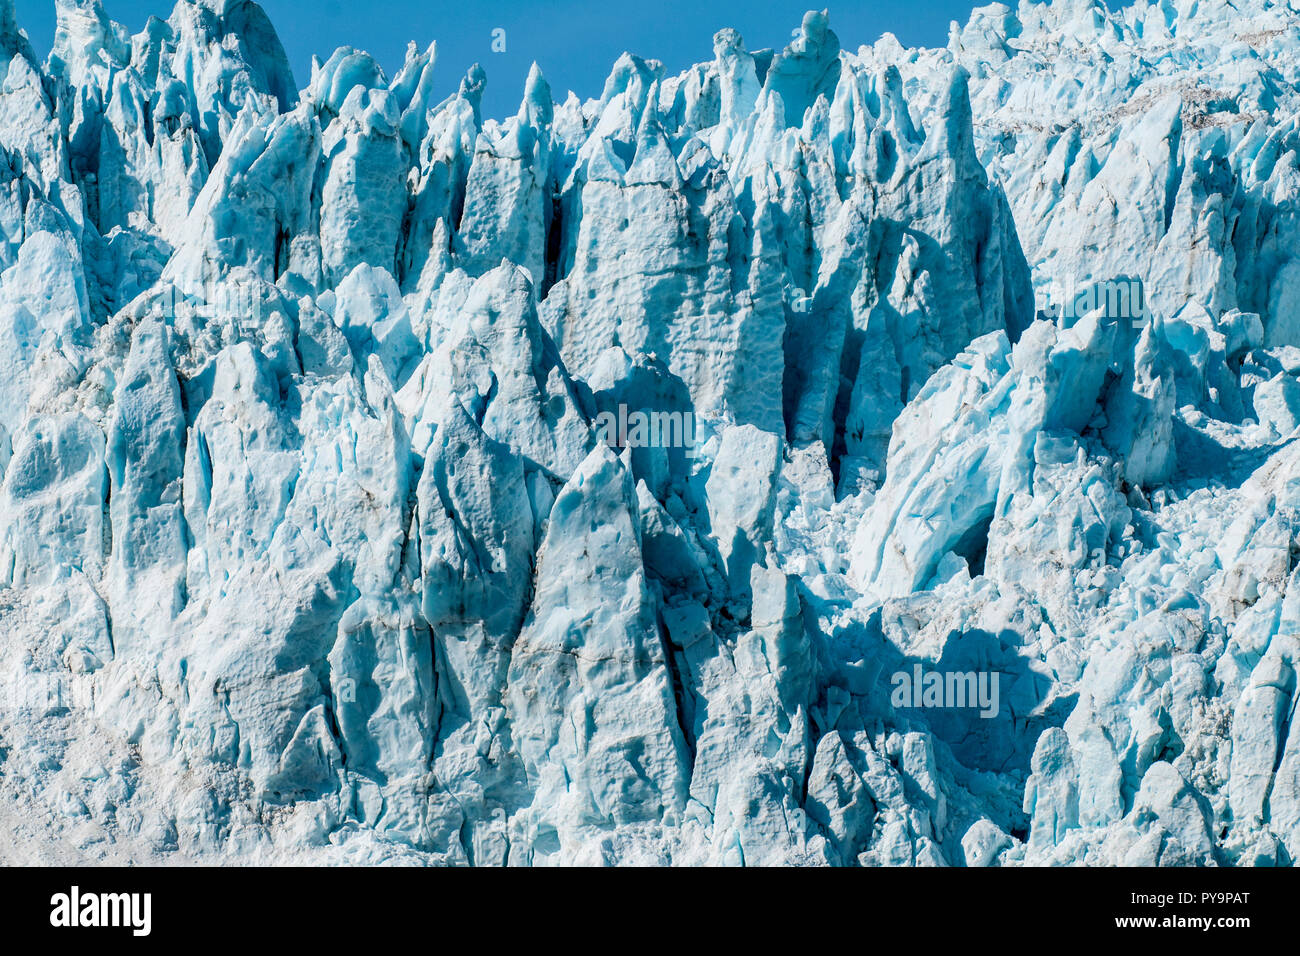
column 574, row 41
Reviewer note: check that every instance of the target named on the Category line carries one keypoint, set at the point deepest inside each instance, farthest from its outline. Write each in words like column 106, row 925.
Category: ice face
column 822, row 456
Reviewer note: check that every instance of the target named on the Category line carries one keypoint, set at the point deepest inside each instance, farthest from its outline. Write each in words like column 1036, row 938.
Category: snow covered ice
column 316, row 544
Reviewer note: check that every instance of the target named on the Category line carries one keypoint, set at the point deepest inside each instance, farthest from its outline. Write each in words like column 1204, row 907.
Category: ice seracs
column 316, row 544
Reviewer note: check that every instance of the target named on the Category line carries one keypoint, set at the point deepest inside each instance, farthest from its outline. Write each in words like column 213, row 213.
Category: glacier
column 314, row 548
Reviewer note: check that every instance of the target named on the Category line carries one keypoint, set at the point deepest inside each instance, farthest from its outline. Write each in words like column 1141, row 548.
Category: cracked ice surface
column 312, row 547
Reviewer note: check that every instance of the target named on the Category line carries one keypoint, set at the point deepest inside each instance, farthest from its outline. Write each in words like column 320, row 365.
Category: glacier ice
column 313, row 547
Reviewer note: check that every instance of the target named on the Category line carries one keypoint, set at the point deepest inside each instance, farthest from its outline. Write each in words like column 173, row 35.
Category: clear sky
column 574, row 41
